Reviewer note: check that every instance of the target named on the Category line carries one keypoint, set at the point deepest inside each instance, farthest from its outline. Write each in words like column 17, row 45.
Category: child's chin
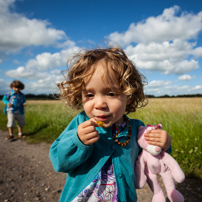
column 107, row 125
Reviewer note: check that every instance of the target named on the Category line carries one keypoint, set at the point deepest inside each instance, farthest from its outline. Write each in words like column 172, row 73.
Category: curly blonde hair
column 131, row 82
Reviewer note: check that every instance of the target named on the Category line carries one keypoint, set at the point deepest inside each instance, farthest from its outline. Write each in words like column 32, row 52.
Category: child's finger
column 90, row 122
column 153, row 133
column 155, row 143
column 149, row 134
column 92, row 135
column 94, row 122
column 90, row 138
column 152, row 139
column 153, row 136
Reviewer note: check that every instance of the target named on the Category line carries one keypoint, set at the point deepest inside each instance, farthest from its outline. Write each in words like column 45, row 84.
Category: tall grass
column 181, row 117
column 45, row 120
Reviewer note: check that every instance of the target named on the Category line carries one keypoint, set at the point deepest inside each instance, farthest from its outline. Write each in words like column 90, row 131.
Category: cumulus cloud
column 166, row 57
column 163, row 42
column 157, row 87
column 173, row 90
column 42, row 83
column 38, row 68
column 186, row 77
column 197, row 89
column 166, row 43
column 24, row 73
column 165, row 27
column 47, row 84
column 17, row 31
column 155, row 84
column 182, row 90
column 197, row 52
column 4, row 86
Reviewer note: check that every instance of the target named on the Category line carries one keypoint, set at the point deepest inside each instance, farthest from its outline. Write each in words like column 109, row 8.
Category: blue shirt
column 82, row 163
column 16, row 99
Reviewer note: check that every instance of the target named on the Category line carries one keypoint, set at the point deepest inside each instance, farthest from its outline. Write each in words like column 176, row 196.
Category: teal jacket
column 82, row 163
column 17, row 101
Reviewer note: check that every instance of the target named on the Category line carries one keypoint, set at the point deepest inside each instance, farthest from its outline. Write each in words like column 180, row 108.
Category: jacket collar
column 13, row 92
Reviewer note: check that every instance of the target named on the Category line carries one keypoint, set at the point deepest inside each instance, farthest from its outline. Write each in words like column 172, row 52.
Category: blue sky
column 162, row 37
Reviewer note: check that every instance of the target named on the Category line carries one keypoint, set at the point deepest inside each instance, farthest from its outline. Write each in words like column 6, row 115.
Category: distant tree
column 56, row 96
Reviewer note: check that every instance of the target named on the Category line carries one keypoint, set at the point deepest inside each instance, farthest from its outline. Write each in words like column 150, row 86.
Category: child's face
column 100, row 102
column 16, row 89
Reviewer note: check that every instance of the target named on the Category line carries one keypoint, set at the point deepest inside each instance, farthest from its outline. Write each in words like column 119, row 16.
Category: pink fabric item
column 148, row 166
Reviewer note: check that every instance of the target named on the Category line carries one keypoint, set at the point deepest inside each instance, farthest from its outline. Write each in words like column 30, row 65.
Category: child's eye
column 111, row 94
column 89, row 95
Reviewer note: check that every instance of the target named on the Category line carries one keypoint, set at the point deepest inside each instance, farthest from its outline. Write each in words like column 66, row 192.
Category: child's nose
column 100, row 102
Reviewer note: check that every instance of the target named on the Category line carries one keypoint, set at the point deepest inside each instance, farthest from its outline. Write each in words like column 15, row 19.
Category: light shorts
column 20, row 118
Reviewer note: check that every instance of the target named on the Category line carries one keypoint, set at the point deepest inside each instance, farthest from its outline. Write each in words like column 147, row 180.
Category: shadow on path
column 37, row 130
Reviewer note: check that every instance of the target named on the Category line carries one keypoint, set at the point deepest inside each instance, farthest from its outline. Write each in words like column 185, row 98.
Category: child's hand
column 87, row 132
column 159, row 138
column 24, row 104
column 9, row 105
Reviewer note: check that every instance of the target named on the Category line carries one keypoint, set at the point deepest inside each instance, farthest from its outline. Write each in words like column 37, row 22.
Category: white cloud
column 165, row 27
column 156, row 87
column 155, row 84
column 4, row 86
column 198, row 87
column 180, row 90
column 197, row 52
column 173, row 90
column 22, row 72
column 163, row 42
column 159, row 88
column 166, row 57
column 166, row 43
column 39, row 67
column 186, row 77
column 67, row 43
column 47, row 84
column 17, row 31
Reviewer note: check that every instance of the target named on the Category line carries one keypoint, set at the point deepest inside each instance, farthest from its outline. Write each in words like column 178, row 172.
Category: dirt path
column 26, row 175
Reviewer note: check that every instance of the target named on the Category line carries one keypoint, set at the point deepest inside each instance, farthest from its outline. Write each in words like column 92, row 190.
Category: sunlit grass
column 45, row 120
column 181, row 117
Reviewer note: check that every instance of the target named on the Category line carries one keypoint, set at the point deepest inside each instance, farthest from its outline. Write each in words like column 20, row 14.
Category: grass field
column 181, row 117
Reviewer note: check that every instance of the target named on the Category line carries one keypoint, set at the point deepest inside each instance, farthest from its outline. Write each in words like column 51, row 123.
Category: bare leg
column 19, row 132
column 19, row 129
column 10, row 130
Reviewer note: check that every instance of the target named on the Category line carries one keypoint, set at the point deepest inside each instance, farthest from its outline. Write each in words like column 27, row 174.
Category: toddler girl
column 99, row 147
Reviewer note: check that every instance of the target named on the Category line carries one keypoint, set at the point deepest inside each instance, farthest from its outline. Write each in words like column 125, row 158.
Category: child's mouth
column 102, row 118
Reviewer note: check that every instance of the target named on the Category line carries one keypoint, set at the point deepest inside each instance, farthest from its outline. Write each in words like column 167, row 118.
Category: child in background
column 15, row 102
column 100, row 159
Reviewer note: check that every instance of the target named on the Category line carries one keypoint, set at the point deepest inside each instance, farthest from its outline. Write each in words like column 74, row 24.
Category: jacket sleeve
column 169, row 150
column 24, row 99
column 68, row 152
column 5, row 99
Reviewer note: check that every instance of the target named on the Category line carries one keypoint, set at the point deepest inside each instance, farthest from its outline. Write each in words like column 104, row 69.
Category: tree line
column 55, row 96
column 175, row 96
